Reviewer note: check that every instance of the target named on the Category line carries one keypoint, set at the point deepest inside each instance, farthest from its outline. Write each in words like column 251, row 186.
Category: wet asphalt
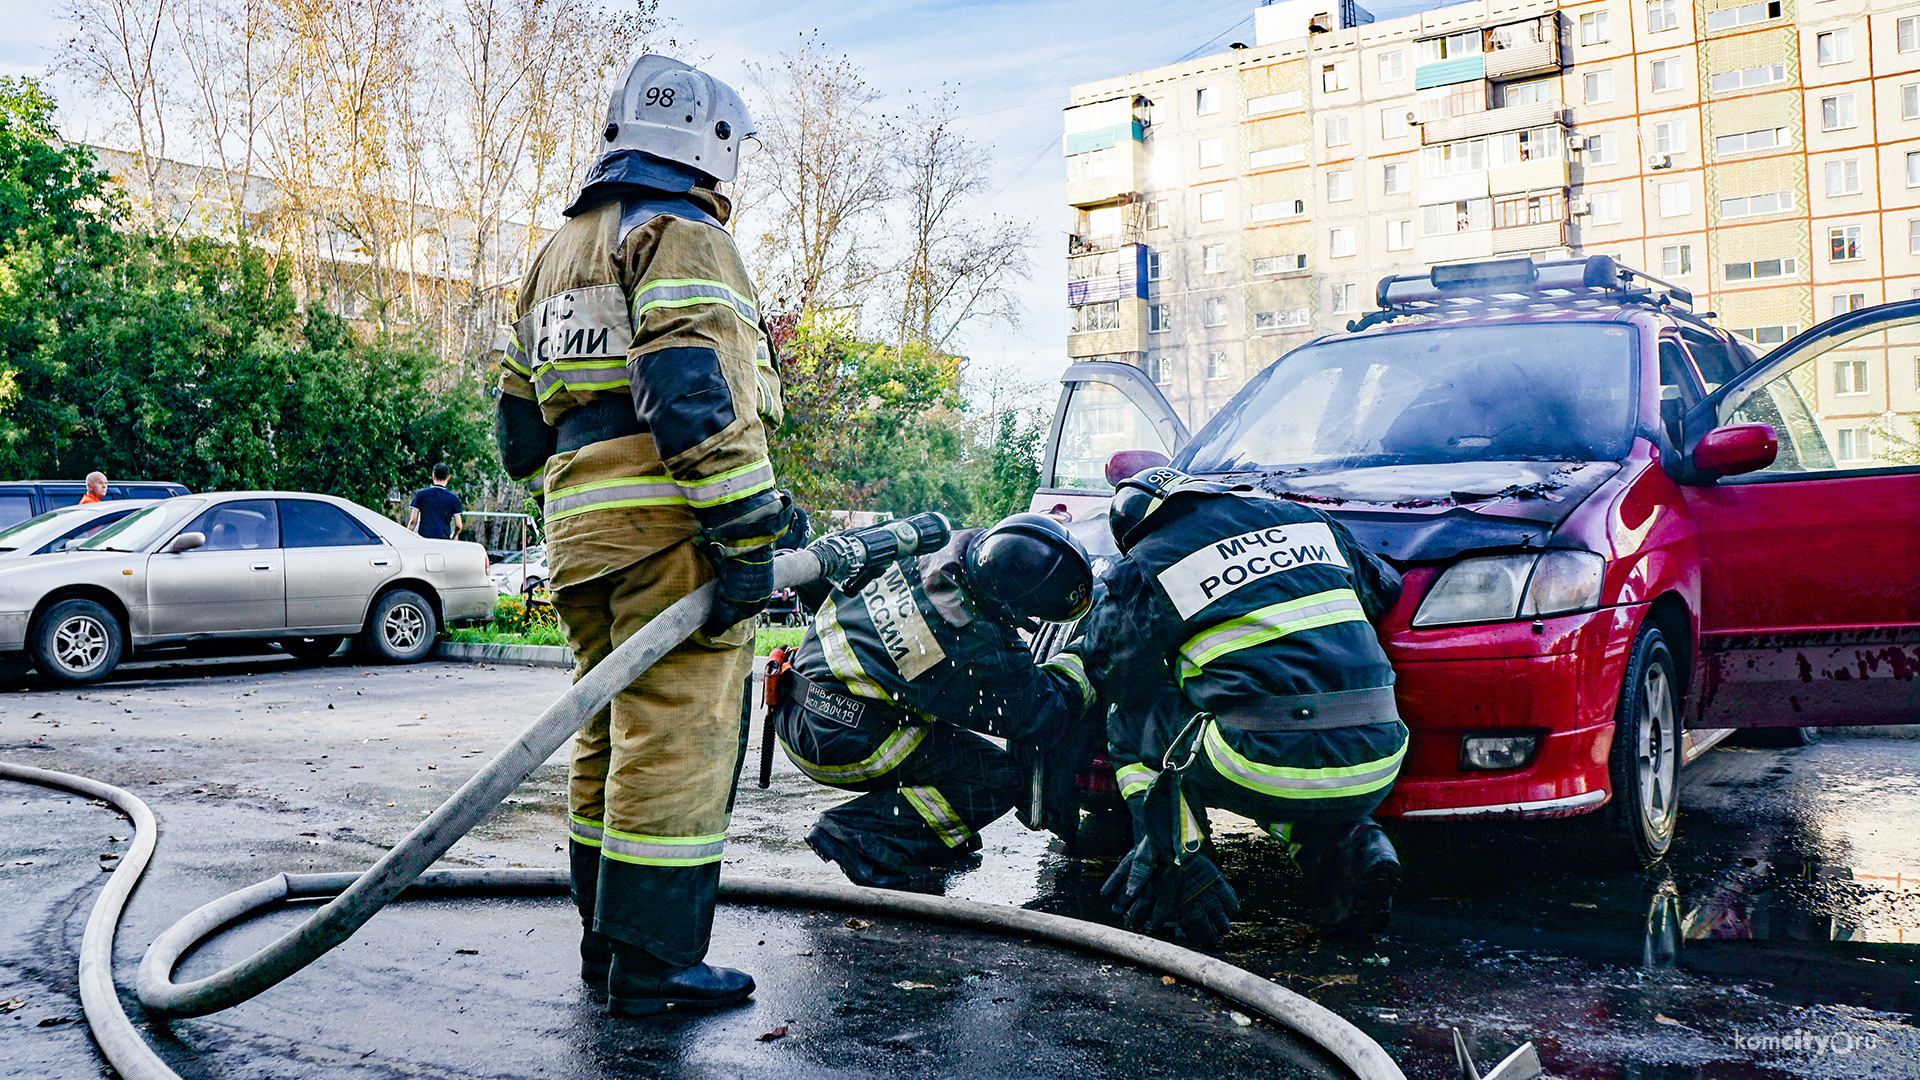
column 1781, row 938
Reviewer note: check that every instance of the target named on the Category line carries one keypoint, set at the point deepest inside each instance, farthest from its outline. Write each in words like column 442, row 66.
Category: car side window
column 15, row 509
column 1675, row 388
column 1846, row 408
column 1717, row 362
column 305, row 523
column 1785, row 404
column 247, row 525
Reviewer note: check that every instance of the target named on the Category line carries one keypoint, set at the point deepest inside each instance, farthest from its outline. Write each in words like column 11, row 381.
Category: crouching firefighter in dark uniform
column 1235, row 647
column 889, row 686
column 637, row 393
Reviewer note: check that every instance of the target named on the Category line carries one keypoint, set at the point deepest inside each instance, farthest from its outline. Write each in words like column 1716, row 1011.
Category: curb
column 529, row 655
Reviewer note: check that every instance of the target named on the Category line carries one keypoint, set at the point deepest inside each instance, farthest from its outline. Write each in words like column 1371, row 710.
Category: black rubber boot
column 640, row 985
column 596, row 951
column 596, row 955
column 859, row 869
column 1365, row 872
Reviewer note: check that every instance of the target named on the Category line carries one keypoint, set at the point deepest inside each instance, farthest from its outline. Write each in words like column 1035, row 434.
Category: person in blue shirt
column 436, row 511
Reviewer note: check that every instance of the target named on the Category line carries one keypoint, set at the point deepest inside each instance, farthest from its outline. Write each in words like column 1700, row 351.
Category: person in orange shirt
column 96, row 488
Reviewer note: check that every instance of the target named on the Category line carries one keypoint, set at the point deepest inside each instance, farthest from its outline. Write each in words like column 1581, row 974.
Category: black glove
column 1205, row 904
column 1148, row 893
column 745, row 585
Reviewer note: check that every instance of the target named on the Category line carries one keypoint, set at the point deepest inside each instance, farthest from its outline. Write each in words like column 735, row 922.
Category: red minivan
column 1623, row 532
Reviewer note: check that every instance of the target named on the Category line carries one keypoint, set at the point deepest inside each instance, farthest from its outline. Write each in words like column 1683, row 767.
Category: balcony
column 1491, row 121
column 1456, row 69
column 1528, row 176
column 1528, row 48
column 1534, row 237
column 1107, row 275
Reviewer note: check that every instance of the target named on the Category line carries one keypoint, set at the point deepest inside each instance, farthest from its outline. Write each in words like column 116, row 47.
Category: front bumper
column 1561, row 684
column 13, row 630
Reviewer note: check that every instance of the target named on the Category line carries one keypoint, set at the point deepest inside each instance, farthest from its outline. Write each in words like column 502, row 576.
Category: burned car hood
column 1433, row 512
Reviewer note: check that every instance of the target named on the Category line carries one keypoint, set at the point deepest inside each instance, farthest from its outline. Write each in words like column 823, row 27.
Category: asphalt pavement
column 1780, row 940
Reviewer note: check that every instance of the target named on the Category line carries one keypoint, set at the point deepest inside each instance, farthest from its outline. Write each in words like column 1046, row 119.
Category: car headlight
column 1503, row 588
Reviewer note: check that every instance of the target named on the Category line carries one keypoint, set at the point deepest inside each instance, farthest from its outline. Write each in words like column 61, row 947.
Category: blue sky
column 1009, row 66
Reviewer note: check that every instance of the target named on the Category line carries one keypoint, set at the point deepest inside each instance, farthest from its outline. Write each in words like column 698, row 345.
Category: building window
column 1531, row 92
column 1836, row 112
column 1400, row 234
column 1843, row 177
column 1593, row 28
column 1346, row 298
column 1662, row 15
column 1603, row 149
column 1213, row 205
column 1333, row 78
column 1393, row 124
column 1454, row 158
column 1676, row 260
column 1845, row 302
column 1728, row 18
column 1667, row 76
column 1153, row 266
column 1466, row 215
column 1761, row 269
column 1279, row 320
column 1158, row 319
column 1674, row 200
column 1275, row 211
column 1833, row 47
column 1206, row 101
column 1278, row 264
column 1749, row 141
column 1769, row 335
column 1339, row 185
column 1160, row 369
column 1213, row 259
column 1393, row 179
column 1088, row 318
column 1603, row 208
column 1852, row 444
column 1276, row 155
column 1746, row 78
column 1340, row 242
column 1753, row 205
column 1216, row 366
column 1910, row 100
column 1157, row 214
column 1913, row 169
column 1670, row 137
column 1850, row 377
column 1843, row 242
column 1271, row 103
column 1513, row 210
column 1598, row 87
column 1913, row 236
column 1339, row 130
column 1906, row 34
column 1434, row 50
column 1393, row 66
column 1210, row 154
column 1213, row 312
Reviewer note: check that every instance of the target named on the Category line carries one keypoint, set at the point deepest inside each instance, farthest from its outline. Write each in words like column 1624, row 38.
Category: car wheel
column 402, row 628
column 1776, row 738
column 76, row 641
column 1636, row 827
column 311, row 648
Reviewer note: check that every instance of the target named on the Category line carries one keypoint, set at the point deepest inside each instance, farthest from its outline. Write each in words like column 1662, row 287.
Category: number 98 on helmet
column 1029, row 567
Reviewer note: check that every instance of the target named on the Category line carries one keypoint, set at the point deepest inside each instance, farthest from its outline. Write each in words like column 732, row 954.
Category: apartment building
column 1765, row 155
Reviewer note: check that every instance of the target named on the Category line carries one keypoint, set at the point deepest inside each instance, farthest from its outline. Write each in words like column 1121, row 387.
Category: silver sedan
column 302, row 570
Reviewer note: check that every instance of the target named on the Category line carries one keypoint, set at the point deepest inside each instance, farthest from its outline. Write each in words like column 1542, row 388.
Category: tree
column 120, row 48
column 47, row 188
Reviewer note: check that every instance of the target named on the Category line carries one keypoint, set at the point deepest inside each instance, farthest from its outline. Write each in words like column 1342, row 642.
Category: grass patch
column 777, row 637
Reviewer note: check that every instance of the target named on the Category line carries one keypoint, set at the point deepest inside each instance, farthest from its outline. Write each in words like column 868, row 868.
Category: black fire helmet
column 1029, row 567
column 1136, row 496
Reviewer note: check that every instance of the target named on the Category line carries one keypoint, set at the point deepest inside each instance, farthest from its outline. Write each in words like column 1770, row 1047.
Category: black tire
column 401, row 629
column 1635, row 829
column 76, row 642
column 310, row 648
column 1776, row 738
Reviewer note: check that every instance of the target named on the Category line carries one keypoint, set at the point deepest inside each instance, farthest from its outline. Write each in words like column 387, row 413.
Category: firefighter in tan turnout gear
column 637, row 394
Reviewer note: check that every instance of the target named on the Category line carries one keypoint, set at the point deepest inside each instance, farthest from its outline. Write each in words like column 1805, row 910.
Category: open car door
column 1810, row 559
column 1105, row 409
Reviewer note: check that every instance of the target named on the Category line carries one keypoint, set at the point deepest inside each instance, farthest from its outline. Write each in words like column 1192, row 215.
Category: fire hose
column 849, row 559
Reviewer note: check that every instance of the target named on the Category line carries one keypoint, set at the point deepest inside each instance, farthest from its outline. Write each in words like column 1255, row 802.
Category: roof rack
column 1519, row 286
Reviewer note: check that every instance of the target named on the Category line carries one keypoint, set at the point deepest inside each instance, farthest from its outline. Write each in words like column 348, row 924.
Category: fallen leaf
column 1241, row 1019
column 1662, row 1018
column 905, row 984
column 468, row 952
column 858, row 924
column 23, row 862
column 389, row 804
column 1168, row 980
column 777, row 1033
column 1340, row 980
column 12, row 1003
column 55, row 1021
column 1589, row 907
column 809, row 952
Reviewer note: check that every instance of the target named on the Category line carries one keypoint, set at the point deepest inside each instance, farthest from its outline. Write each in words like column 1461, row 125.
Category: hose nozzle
column 853, row 558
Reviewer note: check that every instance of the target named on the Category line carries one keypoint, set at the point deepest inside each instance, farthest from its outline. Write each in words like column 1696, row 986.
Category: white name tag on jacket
column 1226, row 566
column 903, row 631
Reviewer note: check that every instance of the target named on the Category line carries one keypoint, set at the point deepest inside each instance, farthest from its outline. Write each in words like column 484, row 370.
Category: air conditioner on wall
column 1659, row 161
column 1576, row 144
column 1579, row 206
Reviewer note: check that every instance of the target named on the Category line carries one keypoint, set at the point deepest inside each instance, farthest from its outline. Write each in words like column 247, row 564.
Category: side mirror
column 1736, row 449
column 1129, row 462
column 186, row 542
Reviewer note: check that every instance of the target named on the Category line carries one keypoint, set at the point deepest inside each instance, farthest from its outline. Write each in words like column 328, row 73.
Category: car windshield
column 36, row 531
column 1531, row 392
column 140, row 528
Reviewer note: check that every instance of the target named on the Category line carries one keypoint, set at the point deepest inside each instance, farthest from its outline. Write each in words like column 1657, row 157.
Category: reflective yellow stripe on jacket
column 1134, row 778
column 938, row 813
column 1281, row 782
column 626, row 491
column 892, row 752
column 687, row 292
column 1068, row 664
column 1265, row 624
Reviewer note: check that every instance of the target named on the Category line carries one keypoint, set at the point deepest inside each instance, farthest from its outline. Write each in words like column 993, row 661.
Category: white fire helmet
column 679, row 113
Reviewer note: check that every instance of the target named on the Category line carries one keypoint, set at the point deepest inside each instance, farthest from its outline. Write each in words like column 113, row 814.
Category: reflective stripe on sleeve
column 662, row 850
column 892, row 752
column 938, row 813
column 584, row 831
column 1281, row 782
column 580, row 376
column 516, row 359
column 1070, row 665
column 624, row 492
column 690, row 292
column 1134, row 779
column 730, row 485
column 1191, row 834
column 1266, row 624
column 840, row 656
